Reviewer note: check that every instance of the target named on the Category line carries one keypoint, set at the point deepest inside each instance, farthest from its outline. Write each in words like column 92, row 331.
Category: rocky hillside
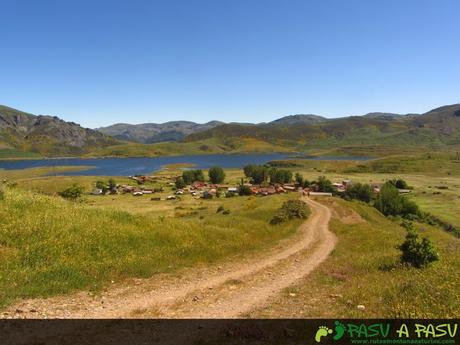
column 156, row 132
column 47, row 135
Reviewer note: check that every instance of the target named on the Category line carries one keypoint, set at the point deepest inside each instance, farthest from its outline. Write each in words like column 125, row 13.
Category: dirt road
column 226, row 291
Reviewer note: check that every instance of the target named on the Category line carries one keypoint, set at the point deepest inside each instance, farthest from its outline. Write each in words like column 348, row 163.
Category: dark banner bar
column 230, row 332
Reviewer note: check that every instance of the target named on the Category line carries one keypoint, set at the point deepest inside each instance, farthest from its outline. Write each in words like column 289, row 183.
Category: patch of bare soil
column 345, row 214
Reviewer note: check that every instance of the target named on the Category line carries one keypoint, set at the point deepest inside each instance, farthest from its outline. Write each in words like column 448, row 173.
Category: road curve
column 228, row 291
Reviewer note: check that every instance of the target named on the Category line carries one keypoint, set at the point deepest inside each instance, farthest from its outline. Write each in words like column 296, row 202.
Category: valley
column 109, row 248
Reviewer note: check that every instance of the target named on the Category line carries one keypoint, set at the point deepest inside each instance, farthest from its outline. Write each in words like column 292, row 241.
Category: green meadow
column 51, row 246
column 364, row 270
column 435, row 177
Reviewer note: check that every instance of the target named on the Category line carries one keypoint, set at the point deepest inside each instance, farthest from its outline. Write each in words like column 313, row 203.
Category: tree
column 399, row 183
column 415, row 252
column 216, row 175
column 257, row 173
column 325, row 185
column 359, row 191
column 249, row 169
column 391, row 203
column 190, row 176
column 280, row 176
column 180, row 183
column 299, row 179
column 72, row 193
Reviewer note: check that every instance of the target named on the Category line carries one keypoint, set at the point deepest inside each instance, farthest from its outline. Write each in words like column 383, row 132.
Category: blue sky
column 102, row 62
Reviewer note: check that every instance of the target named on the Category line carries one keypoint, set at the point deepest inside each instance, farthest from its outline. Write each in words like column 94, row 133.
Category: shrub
column 359, row 191
column 216, row 174
column 112, row 184
column 73, row 192
column 220, row 209
column 244, row 190
column 226, row 212
column 415, row 252
column 291, row 209
column 102, row 186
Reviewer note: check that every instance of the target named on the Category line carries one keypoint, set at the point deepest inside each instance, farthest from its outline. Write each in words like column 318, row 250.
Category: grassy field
column 434, row 177
column 25, row 174
column 364, row 270
column 8, row 153
column 52, row 246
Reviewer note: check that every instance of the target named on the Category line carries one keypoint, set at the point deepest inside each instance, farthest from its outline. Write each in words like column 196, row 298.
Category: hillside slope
column 156, row 132
column 437, row 128
column 46, row 135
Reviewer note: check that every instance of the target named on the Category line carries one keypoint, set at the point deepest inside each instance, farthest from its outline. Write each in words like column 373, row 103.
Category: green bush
column 220, row 209
column 359, row 191
column 391, row 203
column 291, row 209
column 72, row 193
column 112, row 184
column 244, row 190
column 416, row 252
column 216, row 175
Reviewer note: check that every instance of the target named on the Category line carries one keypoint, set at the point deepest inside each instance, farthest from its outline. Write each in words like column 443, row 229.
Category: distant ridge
column 299, row 118
column 436, row 128
column 21, row 132
column 156, row 132
column 47, row 135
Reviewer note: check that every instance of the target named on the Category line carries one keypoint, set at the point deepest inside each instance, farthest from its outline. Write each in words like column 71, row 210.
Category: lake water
column 139, row 166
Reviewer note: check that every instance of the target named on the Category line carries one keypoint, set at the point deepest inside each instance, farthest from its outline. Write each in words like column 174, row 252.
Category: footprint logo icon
column 322, row 332
column 340, row 329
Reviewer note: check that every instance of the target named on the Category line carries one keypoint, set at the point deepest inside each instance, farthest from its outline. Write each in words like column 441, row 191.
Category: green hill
column 27, row 135
column 377, row 134
column 438, row 128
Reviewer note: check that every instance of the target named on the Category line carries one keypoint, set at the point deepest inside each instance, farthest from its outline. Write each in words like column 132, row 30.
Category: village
column 208, row 190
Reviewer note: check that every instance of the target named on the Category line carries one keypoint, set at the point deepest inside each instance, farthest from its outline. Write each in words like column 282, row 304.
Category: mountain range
column 436, row 128
column 51, row 136
column 47, row 135
column 156, row 132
